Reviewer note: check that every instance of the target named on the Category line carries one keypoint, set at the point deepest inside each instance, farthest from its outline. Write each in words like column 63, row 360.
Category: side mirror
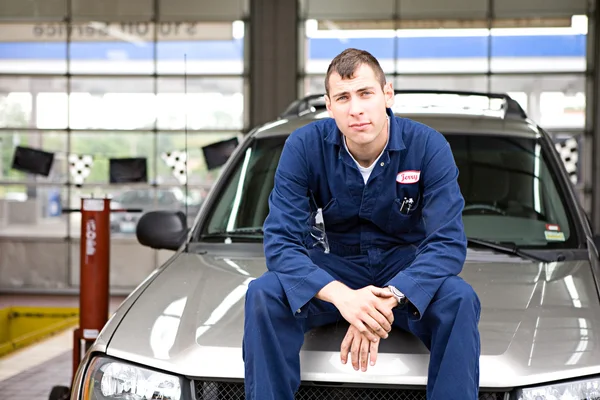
column 162, row 229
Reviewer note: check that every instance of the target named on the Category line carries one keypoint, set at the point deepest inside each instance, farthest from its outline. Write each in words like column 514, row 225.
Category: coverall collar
column 395, row 142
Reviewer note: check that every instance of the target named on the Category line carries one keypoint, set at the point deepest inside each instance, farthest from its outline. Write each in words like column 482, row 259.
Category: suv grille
column 213, row 390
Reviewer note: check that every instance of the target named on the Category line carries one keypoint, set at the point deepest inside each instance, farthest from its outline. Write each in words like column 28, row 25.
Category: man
column 390, row 253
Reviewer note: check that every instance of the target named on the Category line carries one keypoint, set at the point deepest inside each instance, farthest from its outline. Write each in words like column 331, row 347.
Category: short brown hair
column 346, row 63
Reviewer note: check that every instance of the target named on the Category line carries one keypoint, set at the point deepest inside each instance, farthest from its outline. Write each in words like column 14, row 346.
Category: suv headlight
column 576, row 390
column 107, row 379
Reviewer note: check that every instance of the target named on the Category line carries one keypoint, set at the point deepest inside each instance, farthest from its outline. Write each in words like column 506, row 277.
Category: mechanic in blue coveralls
column 388, row 254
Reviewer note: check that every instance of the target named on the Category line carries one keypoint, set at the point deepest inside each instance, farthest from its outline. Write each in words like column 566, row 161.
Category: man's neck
column 366, row 155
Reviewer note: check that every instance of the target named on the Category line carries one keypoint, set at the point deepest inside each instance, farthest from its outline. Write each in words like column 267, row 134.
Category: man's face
column 358, row 105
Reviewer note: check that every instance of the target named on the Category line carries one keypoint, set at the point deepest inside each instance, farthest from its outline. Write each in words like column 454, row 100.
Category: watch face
column 396, row 292
column 400, row 297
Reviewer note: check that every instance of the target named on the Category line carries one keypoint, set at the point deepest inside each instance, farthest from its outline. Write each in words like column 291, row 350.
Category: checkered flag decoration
column 568, row 151
column 177, row 161
column 79, row 167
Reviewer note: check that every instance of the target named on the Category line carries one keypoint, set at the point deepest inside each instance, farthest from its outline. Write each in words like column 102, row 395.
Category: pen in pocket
column 406, row 205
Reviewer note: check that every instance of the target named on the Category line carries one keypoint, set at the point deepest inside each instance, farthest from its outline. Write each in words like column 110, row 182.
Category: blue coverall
column 372, row 243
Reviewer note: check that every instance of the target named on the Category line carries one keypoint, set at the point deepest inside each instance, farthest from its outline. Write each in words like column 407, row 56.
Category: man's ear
column 328, row 105
column 388, row 92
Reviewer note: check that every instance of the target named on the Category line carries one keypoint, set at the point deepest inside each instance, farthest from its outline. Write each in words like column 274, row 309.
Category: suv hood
column 539, row 322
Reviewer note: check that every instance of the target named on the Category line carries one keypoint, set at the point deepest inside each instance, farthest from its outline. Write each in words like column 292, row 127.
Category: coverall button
column 298, row 311
column 382, row 163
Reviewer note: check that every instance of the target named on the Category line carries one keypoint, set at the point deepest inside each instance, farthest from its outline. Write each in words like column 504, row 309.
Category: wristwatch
column 400, row 297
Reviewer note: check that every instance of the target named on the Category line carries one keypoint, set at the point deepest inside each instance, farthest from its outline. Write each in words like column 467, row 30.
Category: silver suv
column 532, row 259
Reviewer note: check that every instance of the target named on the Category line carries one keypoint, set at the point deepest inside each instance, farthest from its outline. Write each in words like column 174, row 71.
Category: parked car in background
column 140, row 201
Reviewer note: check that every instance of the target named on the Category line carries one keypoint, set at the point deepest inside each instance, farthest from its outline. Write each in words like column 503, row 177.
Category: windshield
column 243, row 205
column 510, row 191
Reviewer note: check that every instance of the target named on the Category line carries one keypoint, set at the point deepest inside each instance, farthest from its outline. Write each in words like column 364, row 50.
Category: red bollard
column 94, row 266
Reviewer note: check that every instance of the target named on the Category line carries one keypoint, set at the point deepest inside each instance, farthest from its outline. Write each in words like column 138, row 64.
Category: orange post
column 94, row 266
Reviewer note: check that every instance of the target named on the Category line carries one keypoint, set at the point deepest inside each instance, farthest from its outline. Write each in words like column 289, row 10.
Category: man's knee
column 457, row 291
column 264, row 294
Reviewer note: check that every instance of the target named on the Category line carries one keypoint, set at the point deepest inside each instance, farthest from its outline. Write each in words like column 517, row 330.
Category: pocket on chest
column 405, row 212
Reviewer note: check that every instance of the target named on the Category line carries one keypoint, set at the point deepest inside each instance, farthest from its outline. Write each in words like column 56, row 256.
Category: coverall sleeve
column 443, row 251
column 286, row 227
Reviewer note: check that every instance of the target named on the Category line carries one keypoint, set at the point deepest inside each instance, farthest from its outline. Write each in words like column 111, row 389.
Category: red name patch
column 408, row 177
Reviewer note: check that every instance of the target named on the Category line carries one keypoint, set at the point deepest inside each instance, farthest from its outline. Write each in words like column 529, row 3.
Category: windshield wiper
column 506, row 248
column 235, row 232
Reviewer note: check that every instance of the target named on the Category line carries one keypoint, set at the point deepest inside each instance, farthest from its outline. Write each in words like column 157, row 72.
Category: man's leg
column 449, row 328
column 273, row 337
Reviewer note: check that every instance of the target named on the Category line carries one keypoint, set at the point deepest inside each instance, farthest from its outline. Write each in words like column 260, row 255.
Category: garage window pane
column 431, row 50
column 33, row 47
column 102, row 146
column 325, row 40
column 213, row 103
column 442, row 50
column 559, row 49
column 33, row 102
column 200, row 48
column 47, row 141
column 553, row 101
column 27, row 211
column 112, row 103
column 112, row 47
column 172, row 145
